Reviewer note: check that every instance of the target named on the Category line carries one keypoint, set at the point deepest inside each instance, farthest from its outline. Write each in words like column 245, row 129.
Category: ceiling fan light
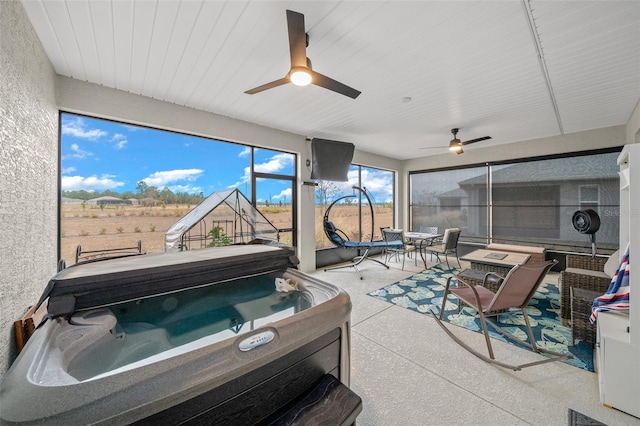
column 300, row 77
column 455, row 146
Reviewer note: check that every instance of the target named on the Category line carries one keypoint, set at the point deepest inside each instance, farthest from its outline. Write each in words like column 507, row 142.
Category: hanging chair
column 341, row 239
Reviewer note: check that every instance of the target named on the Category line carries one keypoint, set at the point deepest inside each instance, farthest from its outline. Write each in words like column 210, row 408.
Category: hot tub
column 198, row 337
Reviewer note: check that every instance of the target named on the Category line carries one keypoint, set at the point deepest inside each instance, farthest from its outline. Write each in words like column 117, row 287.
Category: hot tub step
column 329, row 402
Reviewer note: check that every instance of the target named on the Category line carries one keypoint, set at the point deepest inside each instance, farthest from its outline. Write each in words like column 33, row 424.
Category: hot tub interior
column 158, row 326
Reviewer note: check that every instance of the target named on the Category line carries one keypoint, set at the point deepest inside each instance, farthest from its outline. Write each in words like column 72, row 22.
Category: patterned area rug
column 424, row 291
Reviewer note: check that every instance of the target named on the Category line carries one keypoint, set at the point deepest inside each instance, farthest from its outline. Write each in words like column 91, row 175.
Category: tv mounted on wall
column 331, row 159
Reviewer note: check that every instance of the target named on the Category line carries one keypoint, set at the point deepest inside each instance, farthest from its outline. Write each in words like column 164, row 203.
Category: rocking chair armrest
column 446, row 287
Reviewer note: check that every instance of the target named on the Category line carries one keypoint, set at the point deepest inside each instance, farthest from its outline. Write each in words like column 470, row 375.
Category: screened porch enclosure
column 529, row 202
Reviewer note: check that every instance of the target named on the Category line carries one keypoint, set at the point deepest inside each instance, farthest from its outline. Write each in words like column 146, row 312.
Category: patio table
column 422, row 240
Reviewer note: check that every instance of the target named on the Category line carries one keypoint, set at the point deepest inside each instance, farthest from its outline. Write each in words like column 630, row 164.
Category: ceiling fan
column 456, row 144
column 301, row 73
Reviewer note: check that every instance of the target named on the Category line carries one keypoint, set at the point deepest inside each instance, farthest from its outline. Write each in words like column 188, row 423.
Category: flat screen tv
column 331, row 159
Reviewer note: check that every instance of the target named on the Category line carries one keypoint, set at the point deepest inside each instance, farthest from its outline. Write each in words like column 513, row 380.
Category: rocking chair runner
column 516, row 291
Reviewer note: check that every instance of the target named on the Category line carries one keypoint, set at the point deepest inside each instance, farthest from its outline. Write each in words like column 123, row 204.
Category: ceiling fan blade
column 329, row 83
column 271, row 85
column 297, row 39
column 484, row 138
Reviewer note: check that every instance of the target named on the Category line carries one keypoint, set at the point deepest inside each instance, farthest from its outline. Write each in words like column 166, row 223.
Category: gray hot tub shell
column 219, row 380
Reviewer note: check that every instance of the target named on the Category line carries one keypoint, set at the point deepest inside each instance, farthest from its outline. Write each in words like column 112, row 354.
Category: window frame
column 489, row 165
column 254, row 176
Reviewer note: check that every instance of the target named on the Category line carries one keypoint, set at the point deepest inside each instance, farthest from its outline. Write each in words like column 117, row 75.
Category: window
column 351, row 213
column 530, row 201
column 589, row 197
column 451, row 199
column 121, row 184
column 275, row 190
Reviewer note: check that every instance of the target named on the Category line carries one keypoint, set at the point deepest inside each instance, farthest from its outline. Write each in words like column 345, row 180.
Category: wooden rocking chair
column 516, row 291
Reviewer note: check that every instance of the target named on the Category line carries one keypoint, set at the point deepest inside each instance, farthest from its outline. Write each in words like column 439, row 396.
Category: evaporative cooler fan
column 587, row 222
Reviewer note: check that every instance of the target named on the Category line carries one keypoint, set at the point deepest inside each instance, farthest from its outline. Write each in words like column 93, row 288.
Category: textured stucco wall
column 28, row 171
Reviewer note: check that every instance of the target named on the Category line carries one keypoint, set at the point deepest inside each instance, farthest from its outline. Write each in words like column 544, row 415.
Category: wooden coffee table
column 500, row 262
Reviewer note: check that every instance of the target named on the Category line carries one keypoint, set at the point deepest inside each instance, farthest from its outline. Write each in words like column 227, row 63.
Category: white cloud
column 131, row 127
column 378, row 183
column 275, row 163
column 77, row 152
column 245, row 152
column 284, row 195
column 244, row 179
column 119, row 140
column 78, row 128
column 185, row 188
column 67, row 170
column 91, row 183
column 163, row 178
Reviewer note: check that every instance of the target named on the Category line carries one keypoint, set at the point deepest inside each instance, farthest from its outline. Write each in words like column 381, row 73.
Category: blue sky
column 98, row 155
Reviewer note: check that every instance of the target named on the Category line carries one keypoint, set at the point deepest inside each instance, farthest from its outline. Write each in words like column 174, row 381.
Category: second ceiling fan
column 301, row 73
column 456, row 144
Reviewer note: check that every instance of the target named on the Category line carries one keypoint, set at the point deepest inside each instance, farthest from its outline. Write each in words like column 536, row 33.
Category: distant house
column 67, row 200
column 110, row 201
column 526, row 197
column 454, row 200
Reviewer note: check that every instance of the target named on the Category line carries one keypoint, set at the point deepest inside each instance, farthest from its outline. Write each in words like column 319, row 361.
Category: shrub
column 119, row 229
column 83, row 233
column 136, row 229
column 152, row 228
column 103, row 231
column 219, row 237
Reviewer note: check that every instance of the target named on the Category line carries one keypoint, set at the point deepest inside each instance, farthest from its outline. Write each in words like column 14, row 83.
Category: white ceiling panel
column 102, row 36
column 468, row 64
column 123, row 16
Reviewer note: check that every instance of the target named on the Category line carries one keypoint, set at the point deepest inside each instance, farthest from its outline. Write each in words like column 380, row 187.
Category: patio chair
column 390, row 235
column 515, row 292
column 448, row 246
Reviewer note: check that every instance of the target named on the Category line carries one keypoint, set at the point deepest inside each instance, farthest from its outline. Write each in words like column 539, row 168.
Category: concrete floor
column 409, row 372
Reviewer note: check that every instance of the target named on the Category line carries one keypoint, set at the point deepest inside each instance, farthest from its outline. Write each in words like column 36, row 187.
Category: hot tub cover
column 91, row 285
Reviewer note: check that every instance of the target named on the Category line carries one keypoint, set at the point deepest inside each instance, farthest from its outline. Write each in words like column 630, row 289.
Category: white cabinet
column 619, row 333
column 618, row 364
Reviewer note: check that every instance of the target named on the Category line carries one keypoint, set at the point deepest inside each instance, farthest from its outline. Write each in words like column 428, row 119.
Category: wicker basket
column 581, row 327
column 586, row 262
column 588, row 277
column 500, row 270
column 476, row 277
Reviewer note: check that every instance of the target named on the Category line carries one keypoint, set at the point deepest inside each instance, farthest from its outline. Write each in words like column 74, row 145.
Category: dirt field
column 96, row 228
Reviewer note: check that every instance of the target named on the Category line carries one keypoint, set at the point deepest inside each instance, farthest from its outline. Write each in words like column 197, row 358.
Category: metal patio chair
column 448, row 246
column 405, row 249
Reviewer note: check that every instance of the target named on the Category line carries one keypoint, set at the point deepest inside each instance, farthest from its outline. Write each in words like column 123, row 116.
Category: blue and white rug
column 423, row 291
